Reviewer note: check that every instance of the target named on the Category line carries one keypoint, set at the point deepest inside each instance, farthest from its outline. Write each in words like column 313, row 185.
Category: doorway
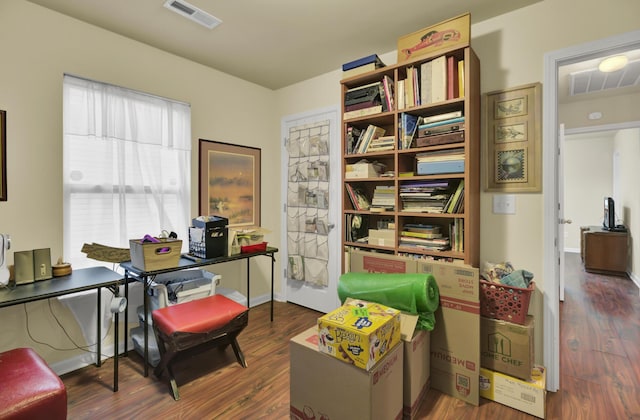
column 551, row 197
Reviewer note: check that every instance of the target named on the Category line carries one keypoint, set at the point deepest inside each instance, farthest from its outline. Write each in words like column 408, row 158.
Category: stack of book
column 433, row 81
column 422, row 236
column 371, row 133
column 425, row 196
column 384, row 198
column 369, row 99
column 361, row 65
column 382, row 143
column 407, row 129
column 359, row 201
column 448, row 161
column 440, row 129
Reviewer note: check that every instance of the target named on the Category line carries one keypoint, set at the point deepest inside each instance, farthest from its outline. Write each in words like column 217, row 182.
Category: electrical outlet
column 504, row 204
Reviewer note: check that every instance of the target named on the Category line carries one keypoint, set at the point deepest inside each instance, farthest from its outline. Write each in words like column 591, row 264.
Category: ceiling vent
column 593, row 80
column 190, row 11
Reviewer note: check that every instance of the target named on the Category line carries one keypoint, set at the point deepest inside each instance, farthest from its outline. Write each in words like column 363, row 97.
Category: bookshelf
column 438, row 202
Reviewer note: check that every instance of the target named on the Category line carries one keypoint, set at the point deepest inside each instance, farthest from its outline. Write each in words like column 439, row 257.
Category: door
column 311, row 208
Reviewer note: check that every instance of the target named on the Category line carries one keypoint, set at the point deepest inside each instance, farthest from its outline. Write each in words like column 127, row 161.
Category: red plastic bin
column 507, row 303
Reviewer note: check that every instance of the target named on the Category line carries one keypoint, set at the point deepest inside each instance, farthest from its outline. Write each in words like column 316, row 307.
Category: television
column 609, row 220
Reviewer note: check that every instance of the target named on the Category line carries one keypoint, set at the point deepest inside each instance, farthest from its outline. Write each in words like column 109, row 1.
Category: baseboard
column 635, row 279
column 83, row 360
column 572, row 250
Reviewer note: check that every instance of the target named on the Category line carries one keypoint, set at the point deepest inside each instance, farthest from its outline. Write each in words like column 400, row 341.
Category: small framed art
column 513, row 139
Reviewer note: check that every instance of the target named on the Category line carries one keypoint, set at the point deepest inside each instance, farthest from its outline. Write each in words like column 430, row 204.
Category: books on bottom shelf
column 421, row 236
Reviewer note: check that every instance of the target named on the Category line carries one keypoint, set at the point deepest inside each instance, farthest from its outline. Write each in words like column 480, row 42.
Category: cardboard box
column 445, row 36
column 368, row 262
column 359, row 332
column 527, row 396
column 416, row 372
column 322, row 387
column 382, row 237
column 360, row 170
column 151, row 256
column 455, row 340
column 507, row 347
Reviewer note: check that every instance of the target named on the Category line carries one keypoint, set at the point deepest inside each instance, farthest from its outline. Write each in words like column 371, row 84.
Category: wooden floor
column 600, row 368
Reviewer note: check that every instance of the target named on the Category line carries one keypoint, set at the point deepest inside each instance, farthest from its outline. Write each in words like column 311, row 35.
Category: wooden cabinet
column 604, row 251
column 460, row 226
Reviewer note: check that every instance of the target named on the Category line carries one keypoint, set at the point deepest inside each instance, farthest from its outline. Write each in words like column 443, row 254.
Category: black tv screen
column 609, row 219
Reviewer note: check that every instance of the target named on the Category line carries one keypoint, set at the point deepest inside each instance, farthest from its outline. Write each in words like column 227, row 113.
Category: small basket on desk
column 149, row 256
column 247, row 249
column 507, row 303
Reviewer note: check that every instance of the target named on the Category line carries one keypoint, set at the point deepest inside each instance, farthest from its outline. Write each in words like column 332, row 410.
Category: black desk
column 132, row 273
column 79, row 280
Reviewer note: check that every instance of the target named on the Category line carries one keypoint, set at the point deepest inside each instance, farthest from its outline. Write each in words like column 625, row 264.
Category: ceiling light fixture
column 613, row 63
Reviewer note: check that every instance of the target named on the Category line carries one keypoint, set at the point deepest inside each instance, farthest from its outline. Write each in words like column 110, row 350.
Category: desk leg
column 99, row 330
column 126, row 316
column 248, row 294
column 273, row 260
column 116, row 346
column 145, row 298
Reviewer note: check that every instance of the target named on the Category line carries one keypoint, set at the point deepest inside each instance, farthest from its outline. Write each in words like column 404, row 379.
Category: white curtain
column 126, row 168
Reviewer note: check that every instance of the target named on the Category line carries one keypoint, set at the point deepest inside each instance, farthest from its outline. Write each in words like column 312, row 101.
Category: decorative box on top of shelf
column 459, row 225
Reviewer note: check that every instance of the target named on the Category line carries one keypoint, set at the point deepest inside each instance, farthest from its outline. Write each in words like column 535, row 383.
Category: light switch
column 504, row 204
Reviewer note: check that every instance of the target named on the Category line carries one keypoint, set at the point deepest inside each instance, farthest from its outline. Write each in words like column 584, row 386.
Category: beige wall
column 627, row 149
column 588, row 178
column 38, row 47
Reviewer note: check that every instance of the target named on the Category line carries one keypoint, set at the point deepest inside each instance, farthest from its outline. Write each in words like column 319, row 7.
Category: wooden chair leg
column 238, row 352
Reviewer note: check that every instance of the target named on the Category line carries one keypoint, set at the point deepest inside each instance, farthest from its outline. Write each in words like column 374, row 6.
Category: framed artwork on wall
column 229, row 182
column 513, row 139
column 3, row 155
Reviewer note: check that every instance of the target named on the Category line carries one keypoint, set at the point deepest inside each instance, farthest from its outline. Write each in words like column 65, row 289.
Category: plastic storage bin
column 507, row 303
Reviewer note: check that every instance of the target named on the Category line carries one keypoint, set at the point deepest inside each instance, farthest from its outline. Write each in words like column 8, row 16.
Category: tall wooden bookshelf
column 401, row 161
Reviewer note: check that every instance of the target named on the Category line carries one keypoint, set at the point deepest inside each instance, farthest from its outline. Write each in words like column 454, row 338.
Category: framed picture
column 3, row 155
column 229, row 182
column 513, row 135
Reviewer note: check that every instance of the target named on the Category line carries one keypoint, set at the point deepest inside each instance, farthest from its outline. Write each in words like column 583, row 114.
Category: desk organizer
column 151, row 256
column 507, row 303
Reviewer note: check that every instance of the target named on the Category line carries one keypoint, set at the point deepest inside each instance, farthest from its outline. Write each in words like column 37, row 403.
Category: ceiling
column 276, row 43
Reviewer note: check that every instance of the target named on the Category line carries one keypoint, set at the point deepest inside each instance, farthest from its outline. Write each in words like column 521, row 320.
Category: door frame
column 552, row 62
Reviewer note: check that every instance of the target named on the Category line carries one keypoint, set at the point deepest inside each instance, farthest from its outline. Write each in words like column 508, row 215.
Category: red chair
column 199, row 324
column 29, row 389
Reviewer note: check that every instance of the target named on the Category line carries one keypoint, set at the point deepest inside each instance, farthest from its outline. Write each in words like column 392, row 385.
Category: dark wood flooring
column 600, row 368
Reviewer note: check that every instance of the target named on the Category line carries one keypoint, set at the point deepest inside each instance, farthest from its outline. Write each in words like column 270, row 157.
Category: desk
column 79, row 280
column 604, row 251
column 132, row 273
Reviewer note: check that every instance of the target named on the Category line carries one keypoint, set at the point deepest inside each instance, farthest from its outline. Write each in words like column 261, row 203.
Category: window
column 126, row 166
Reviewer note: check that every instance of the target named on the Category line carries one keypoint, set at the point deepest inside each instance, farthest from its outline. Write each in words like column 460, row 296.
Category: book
column 372, row 132
column 356, row 71
column 441, row 117
column 373, row 58
column 453, row 88
column 362, row 112
column 359, row 200
column 409, row 99
column 425, row 83
column 455, row 197
column 439, row 79
column 387, row 84
column 401, row 96
column 461, row 78
column 409, row 124
column 436, row 139
column 440, row 167
column 424, row 235
column 441, row 122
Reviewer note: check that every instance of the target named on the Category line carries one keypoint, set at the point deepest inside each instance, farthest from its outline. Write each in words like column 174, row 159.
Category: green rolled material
column 414, row 293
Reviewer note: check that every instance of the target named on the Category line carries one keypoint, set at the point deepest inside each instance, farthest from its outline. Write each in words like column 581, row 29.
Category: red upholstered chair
column 196, row 325
column 29, row 389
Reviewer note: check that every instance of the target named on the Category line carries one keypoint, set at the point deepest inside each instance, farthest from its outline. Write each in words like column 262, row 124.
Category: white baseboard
column 572, row 250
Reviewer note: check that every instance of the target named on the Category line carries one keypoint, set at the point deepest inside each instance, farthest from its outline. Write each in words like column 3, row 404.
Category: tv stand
column 604, row 251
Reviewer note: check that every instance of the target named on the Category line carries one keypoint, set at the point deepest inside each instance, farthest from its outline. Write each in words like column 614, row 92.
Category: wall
column 511, row 49
column 627, row 147
column 39, row 46
column 588, row 178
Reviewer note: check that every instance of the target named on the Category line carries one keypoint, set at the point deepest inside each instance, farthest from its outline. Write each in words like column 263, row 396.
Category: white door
column 311, row 208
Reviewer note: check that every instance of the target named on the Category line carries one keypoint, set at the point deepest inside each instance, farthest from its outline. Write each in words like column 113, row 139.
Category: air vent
column 191, row 12
column 593, row 80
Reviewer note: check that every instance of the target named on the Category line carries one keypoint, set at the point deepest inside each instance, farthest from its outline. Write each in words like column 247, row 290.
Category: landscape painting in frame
column 229, row 178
